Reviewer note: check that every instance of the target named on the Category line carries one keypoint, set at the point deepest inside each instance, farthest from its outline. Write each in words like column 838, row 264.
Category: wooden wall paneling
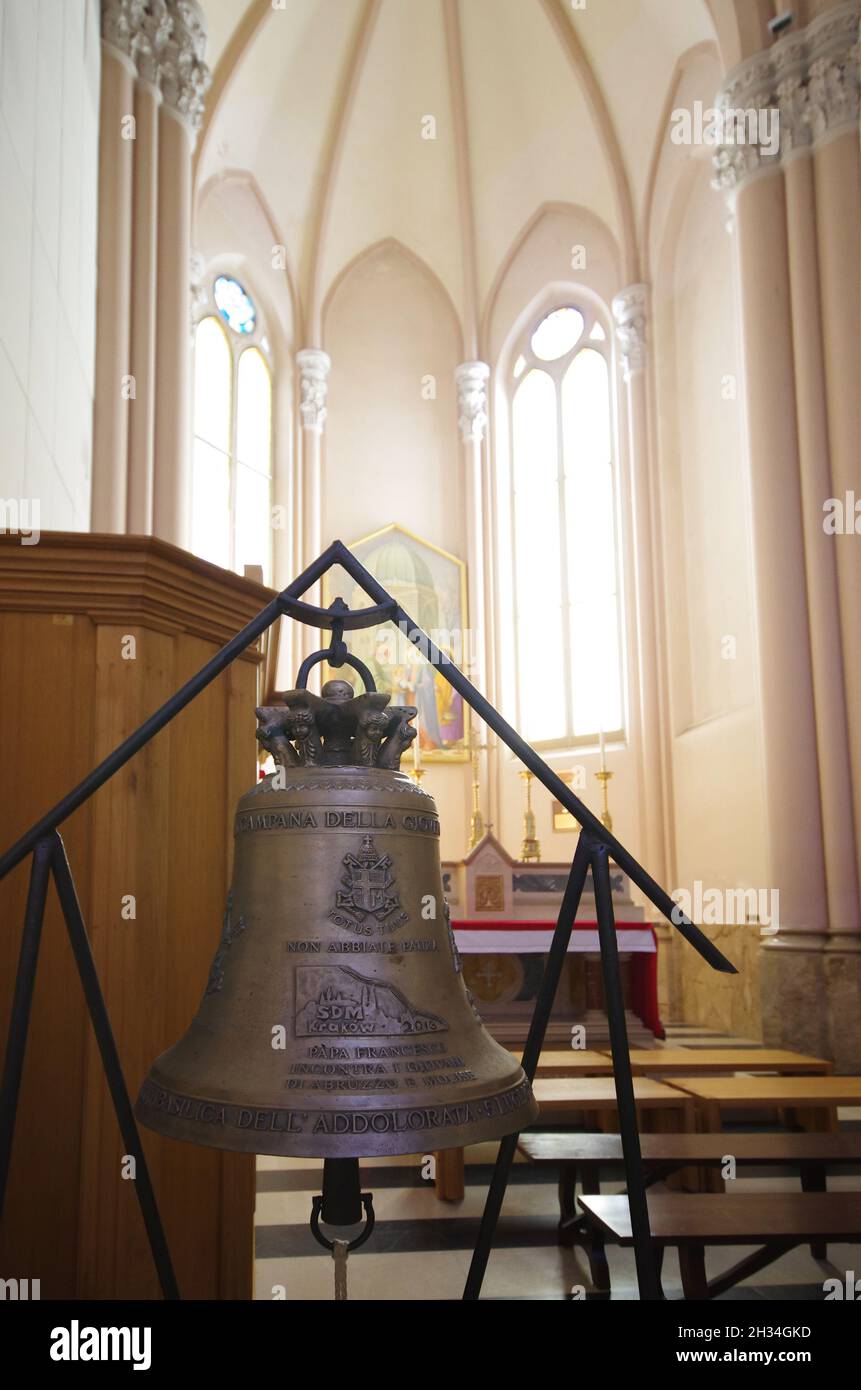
column 129, row 857
column 46, row 730
column 238, row 1171
column 192, row 1196
column 160, row 830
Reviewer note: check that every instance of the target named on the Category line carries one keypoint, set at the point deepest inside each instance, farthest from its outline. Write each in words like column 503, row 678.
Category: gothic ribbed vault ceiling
column 534, row 101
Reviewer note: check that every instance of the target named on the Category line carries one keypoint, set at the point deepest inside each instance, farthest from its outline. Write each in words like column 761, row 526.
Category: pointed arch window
column 565, row 581
column 232, row 466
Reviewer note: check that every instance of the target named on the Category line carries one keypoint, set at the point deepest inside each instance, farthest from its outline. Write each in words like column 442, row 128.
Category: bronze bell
column 335, row 1021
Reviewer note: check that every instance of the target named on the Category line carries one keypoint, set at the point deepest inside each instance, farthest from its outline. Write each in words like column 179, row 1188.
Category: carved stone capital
column 810, row 78
column 152, row 34
column 314, row 365
column 629, row 311
column 471, row 379
column 833, row 93
column 120, row 24
column 165, row 41
column 183, row 73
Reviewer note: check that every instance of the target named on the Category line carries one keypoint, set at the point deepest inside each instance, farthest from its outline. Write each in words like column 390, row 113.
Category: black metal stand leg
column 113, row 1070
column 19, row 1020
column 647, row 1279
column 531, row 1053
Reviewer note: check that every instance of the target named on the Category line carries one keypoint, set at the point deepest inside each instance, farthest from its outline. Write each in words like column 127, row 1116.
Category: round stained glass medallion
column 234, row 305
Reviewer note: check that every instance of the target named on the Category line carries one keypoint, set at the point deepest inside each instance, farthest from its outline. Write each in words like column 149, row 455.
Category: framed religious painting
column 430, row 584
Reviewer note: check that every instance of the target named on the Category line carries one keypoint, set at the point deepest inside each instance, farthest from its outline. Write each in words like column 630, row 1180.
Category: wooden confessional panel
column 160, row 832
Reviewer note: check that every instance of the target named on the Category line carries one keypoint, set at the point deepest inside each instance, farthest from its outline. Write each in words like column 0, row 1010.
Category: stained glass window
column 232, row 458
column 234, row 305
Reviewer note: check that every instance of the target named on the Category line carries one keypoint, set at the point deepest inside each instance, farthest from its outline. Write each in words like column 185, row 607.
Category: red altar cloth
column 510, row 937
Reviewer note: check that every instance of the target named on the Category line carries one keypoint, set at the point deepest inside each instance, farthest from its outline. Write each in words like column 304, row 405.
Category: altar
column 503, row 915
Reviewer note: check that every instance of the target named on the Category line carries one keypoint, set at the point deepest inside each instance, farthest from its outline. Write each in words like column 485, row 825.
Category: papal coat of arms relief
column 367, row 900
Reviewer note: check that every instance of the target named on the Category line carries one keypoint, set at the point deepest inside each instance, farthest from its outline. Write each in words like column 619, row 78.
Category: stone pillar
column 184, row 80
column 797, row 218
column 471, row 379
column 153, row 83
column 815, row 456
column 112, row 363
column 172, row 474
column 143, row 281
column 313, row 373
column 629, row 311
column 832, row 114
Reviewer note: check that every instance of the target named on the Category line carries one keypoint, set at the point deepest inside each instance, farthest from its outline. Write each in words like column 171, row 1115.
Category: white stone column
column 630, row 308
column 786, row 677
column 471, row 379
column 184, row 79
column 153, row 81
column 832, row 114
column 797, row 218
column 150, row 40
column 313, row 366
column 791, row 68
column 112, row 362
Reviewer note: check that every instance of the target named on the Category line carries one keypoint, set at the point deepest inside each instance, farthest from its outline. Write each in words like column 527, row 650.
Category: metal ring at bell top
column 336, row 656
column 370, row 1218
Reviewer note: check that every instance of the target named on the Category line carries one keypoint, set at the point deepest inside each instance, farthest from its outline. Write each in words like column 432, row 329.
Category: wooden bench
column 811, row 1101
column 706, row 1061
column 586, row 1156
column 561, row 1098
column 571, row 1062
column 776, row 1221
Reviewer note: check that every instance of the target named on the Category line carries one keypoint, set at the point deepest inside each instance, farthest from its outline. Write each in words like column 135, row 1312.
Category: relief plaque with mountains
column 333, row 999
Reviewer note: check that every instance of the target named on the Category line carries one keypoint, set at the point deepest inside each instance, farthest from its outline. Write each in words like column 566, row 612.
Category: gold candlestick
column 530, row 850
column 604, row 777
column 476, row 819
column 418, row 771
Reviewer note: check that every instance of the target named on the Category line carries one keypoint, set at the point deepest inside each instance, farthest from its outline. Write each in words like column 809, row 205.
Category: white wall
column 388, row 327
column 706, row 555
column 49, row 125
column 391, row 454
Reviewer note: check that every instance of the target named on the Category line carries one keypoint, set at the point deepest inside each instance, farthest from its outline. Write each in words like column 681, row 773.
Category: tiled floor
column 421, row 1247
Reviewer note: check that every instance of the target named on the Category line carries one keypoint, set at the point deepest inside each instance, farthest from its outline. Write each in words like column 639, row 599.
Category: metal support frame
column 595, row 846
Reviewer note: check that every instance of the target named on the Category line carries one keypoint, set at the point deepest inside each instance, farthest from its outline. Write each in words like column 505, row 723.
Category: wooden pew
column 707, row 1061
column 776, row 1221
column 811, row 1101
column 563, row 1098
column 571, row 1062
column 587, row 1156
